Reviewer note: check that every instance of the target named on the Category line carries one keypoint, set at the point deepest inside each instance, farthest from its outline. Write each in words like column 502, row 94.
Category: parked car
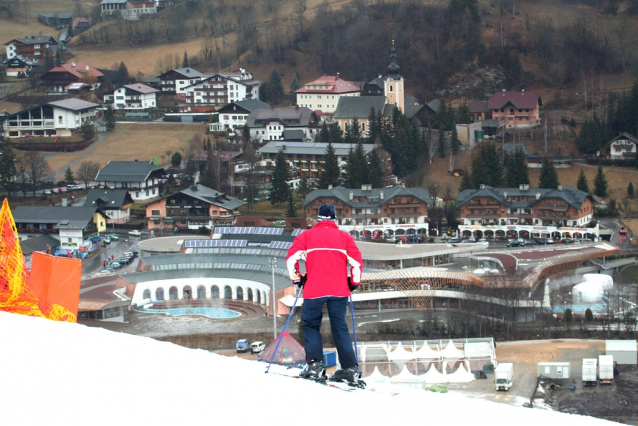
column 48, row 192
column 468, row 241
column 55, row 190
column 107, row 240
column 622, row 230
column 130, row 254
column 541, row 240
column 135, row 233
column 482, row 240
column 115, row 265
column 454, row 240
column 567, row 241
column 530, row 243
column 515, row 243
column 391, row 240
column 114, row 237
column 257, row 347
column 550, row 241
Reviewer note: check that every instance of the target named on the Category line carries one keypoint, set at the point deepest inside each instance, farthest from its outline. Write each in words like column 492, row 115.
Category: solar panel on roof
column 297, row 232
column 269, row 231
column 222, row 230
column 279, row 244
column 215, row 243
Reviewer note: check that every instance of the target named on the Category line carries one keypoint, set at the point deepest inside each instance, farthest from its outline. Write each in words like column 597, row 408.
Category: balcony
column 410, row 214
column 487, row 215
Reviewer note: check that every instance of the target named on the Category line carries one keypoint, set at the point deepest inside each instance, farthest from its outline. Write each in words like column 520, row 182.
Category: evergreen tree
column 582, row 183
column 374, row 127
column 7, row 168
column 466, row 181
column 376, row 169
column 272, row 90
column 442, row 147
column 548, row 178
column 176, row 159
column 600, row 182
column 68, row 175
column 122, row 74
column 109, row 118
column 455, row 143
column 593, row 135
column 291, row 212
column 331, row 173
column 357, row 172
column 294, row 86
column 185, row 60
column 630, row 190
column 208, row 178
column 353, row 132
column 516, row 173
column 87, row 130
column 486, row 167
column 463, row 114
column 304, row 187
column 279, row 185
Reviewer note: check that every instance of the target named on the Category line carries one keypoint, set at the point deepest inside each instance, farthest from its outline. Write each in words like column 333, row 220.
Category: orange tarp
column 56, row 280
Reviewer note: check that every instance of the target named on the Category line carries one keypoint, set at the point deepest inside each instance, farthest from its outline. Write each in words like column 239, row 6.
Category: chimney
column 65, row 202
column 560, row 187
column 284, row 147
column 402, row 184
column 88, row 67
column 482, row 186
column 329, row 187
column 187, row 70
column 523, row 187
column 351, row 196
column 73, row 64
column 381, row 194
column 505, row 195
column 194, row 188
column 538, row 195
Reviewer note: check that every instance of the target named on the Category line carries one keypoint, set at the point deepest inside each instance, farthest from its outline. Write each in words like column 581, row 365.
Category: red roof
column 520, row 99
column 331, row 83
column 478, row 106
column 78, row 69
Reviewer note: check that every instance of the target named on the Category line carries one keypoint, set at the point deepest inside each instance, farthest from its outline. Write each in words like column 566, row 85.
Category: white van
column 257, row 347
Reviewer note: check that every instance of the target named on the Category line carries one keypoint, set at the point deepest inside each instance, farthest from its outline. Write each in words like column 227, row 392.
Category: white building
column 235, row 114
column 223, row 88
column 268, row 124
column 324, row 93
column 135, row 96
column 57, row 118
column 140, row 178
column 131, row 10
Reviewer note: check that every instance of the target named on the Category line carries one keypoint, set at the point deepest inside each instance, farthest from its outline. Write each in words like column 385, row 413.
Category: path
column 72, row 164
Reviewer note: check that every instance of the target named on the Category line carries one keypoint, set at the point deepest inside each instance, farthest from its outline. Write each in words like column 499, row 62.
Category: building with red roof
column 57, row 79
column 323, row 94
column 516, row 109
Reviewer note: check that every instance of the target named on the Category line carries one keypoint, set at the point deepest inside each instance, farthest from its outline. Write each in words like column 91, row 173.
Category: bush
column 589, row 315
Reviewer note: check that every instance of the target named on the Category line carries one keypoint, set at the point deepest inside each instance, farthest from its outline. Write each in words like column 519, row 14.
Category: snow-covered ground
column 67, row 374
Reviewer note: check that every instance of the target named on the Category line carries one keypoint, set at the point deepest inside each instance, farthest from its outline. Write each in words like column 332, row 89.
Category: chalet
column 422, row 115
column 267, row 124
column 140, row 178
column 373, row 210
column 323, row 94
column 518, row 109
column 36, row 47
column 19, row 66
column 193, row 208
column 479, row 110
column 525, row 211
column 81, row 24
column 136, row 96
column 58, row 79
column 221, row 89
column 350, row 108
column 55, row 19
column 116, row 203
column 235, row 115
column 131, row 10
column 57, row 118
column 622, row 147
column 75, row 226
column 175, row 81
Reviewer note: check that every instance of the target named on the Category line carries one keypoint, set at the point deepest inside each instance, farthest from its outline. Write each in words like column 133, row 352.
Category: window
column 155, row 212
column 137, row 195
column 391, row 88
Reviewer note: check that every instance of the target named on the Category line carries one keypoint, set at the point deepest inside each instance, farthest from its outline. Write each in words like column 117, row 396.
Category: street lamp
column 273, row 263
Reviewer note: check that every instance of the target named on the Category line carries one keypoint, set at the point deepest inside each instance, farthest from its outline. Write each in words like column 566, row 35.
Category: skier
column 327, row 252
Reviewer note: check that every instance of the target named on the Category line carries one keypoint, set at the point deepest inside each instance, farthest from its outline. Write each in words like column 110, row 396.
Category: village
column 495, row 228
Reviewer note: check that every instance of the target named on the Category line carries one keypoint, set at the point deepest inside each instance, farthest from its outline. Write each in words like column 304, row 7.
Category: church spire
column 393, row 69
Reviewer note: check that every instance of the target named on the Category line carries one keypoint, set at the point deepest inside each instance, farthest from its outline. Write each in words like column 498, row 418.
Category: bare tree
column 87, row 172
column 37, row 168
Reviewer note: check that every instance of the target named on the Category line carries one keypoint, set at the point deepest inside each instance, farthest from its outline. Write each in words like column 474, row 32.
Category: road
column 94, row 264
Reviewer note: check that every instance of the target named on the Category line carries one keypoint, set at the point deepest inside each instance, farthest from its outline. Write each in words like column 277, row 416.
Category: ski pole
column 282, row 331
column 354, row 334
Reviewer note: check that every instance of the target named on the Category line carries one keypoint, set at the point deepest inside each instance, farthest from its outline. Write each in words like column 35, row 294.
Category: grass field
column 127, row 142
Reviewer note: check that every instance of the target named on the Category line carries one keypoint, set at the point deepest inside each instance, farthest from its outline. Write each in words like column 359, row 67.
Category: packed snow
column 68, row 374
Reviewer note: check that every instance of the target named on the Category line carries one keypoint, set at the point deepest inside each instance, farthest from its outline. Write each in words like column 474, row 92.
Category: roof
column 570, row 195
column 624, row 136
column 520, row 99
column 64, row 217
column 34, row 40
column 620, row 345
column 492, row 123
column 288, row 116
column 188, row 72
column 511, row 148
column 81, row 19
column 412, row 110
column 434, row 104
column 211, row 196
column 136, row 87
column 153, row 79
column 479, row 106
column 373, row 196
column 127, row 171
column 247, row 105
column 329, row 84
column 294, row 135
column 410, row 100
column 113, row 1
column 78, row 69
column 61, row 15
column 316, row 148
column 358, row 106
column 22, row 58
column 112, row 198
column 38, row 243
column 73, row 104
column 76, row 86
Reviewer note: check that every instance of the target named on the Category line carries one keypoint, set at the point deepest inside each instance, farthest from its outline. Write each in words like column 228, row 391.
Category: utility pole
column 273, row 263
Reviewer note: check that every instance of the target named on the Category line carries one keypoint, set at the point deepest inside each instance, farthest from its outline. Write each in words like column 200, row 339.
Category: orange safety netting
column 16, row 294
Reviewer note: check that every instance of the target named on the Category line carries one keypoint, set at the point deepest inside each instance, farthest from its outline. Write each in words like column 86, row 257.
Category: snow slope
column 68, row 374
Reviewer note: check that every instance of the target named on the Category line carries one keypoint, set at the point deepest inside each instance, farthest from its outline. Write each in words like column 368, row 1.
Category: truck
column 606, row 369
column 590, row 371
column 504, row 374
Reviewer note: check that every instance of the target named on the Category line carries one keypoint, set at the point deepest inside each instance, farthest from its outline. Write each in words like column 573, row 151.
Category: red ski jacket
column 327, row 252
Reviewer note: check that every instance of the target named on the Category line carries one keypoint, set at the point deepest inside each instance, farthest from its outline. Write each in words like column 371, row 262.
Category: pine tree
column 548, row 178
column 273, row 89
column 331, row 173
column 304, row 187
column 463, row 114
column 516, row 173
column 374, row 126
column 493, row 165
column 630, row 190
column 600, row 182
column 294, row 86
column 122, row 74
column 466, row 181
column 109, row 118
column 279, row 185
column 68, row 175
column 377, row 171
column 7, row 168
column 353, row 132
column 582, row 183
column 357, row 171
column 291, row 212
column 455, row 144
column 185, row 60
column 442, row 147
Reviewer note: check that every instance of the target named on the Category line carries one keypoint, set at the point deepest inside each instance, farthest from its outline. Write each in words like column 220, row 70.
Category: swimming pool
column 216, row 313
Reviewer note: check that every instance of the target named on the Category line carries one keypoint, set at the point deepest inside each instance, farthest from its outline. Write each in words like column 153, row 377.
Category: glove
column 302, row 280
column 352, row 287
